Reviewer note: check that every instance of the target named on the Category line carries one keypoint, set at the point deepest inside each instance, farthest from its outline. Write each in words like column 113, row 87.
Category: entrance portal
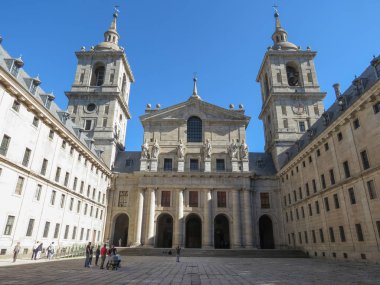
column 164, row 234
column 266, row 232
column 120, row 234
column 193, row 232
column 221, row 232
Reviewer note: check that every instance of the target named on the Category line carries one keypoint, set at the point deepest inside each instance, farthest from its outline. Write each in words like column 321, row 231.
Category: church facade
column 194, row 183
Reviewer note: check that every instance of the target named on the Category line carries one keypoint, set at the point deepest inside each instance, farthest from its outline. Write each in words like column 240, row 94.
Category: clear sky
column 167, row 40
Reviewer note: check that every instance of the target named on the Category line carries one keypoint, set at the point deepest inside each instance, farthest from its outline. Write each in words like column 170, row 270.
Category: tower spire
column 111, row 36
column 280, row 36
column 195, row 89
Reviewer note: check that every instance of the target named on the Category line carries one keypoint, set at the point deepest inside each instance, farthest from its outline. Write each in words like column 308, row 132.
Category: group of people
column 36, row 251
column 100, row 253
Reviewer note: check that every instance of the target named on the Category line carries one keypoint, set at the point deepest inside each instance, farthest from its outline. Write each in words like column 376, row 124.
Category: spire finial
column 275, row 7
column 195, row 89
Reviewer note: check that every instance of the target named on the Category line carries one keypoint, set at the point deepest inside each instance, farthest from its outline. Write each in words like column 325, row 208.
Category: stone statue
column 233, row 150
column 155, row 149
column 243, row 150
column 207, row 149
column 181, row 150
column 145, row 150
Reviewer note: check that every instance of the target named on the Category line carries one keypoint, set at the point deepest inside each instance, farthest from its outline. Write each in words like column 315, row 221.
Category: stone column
column 140, row 209
column 208, row 225
column 236, row 219
column 149, row 241
column 248, row 238
column 178, row 221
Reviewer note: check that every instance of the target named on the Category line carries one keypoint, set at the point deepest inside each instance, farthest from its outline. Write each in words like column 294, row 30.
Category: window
column 19, row 185
column 302, row 126
column 356, row 123
column 317, row 207
column 307, row 189
column 365, row 160
column 303, row 164
column 318, row 152
column 289, row 200
column 88, row 234
column 351, row 193
column 300, row 192
column 99, row 196
column 46, row 230
column 104, row 122
column 37, row 193
column 16, row 106
column 51, row 134
column 284, row 200
column 297, row 215
column 93, row 193
column 346, row 169
column 283, row 110
column 123, row 198
column 220, row 165
column 96, row 213
column 85, row 209
column 52, row 197
column 371, row 189
column 29, row 230
column 295, row 195
column 323, row 181
column 57, row 174
column 88, row 190
column 44, row 166
column 98, row 79
column 291, row 215
column 376, row 107
column 221, row 199
column 332, row 236
column 292, row 74
column 314, row 237
column 285, row 123
column 327, row 206
column 33, row 87
column 25, row 160
column 9, row 225
column 63, row 144
column 194, row 129
column 342, row 234
column 165, row 198
column 63, row 197
column 87, row 125
column 103, row 198
column 81, row 187
column 326, row 146
column 287, row 219
column 56, row 230
column 306, row 237
column 168, row 164
column 303, row 212
column 336, row 201
column 74, row 235
column 81, row 233
column 300, row 237
column 310, row 159
column 91, row 210
column 310, row 210
column 340, row 136
column 66, row 179
column 193, row 198
column 66, row 232
column 194, row 166
column 5, row 145
column 101, row 214
column 75, row 183
column 321, row 235
column 16, row 67
column 78, row 206
column 36, row 121
column 359, row 232
column 264, row 198
column 332, row 177
column 71, row 204
column 314, row 186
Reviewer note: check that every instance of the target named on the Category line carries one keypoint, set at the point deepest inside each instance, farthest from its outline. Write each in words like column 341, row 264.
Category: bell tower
column 291, row 97
column 99, row 96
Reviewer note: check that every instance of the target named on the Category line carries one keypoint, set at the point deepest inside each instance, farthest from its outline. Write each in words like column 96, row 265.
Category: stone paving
column 194, row 271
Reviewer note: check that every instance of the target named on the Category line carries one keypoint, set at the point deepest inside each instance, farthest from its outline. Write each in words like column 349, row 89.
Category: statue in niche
column 243, row 150
column 233, row 150
column 145, row 150
column 155, row 149
column 181, row 150
column 207, row 149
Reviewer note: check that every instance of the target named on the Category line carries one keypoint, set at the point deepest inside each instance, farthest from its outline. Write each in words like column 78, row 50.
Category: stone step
column 192, row 252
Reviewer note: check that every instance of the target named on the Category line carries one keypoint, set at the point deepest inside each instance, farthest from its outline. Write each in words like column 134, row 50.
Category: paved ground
column 195, row 270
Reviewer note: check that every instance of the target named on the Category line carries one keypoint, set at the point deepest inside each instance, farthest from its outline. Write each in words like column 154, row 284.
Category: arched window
column 98, row 76
column 194, row 129
column 292, row 74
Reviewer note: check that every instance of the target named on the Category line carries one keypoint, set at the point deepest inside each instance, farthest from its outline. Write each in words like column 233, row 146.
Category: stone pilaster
column 178, row 221
column 207, row 220
column 236, row 226
column 149, row 241
column 140, row 209
column 248, row 238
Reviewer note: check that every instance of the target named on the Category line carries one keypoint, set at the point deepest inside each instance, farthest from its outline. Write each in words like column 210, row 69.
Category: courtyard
column 194, row 270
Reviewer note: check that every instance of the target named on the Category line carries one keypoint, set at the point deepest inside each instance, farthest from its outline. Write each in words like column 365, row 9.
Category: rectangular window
column 300, row 192
column 295, row 195
column 123, row 198
column 81, row 187
column 106, row 109
column 193, row 198
column 327, row 205
column 310, row 210
column 284, row 200
column 63, row 145
column 194, row 166
column 316, row 110
column 81, row 233
column 4, row 145
column 359, row 232
column 220, row 165
column 74, row 235
column 365, row 160
column 314, row 237
column 9, row 225
column 326, row 146
column 46, row 230
column 75, row 183
column 57, row 174
column 285, row 122
column 37, row 193
column 66, row 232
column 29, row 230
column 99, row 196
column 56, row 230
column 81, row 77
column 85, row 209
column 318, row 152
column 104, row 122
column 342, row 234
column 221, row 199
column 332, row 236
column 101, row 214
column 88, row 234
column 307, row 189
column 168, row 164
column 16, row 106
column 297, row 214
column 44, row 166
column 63, row 197
column 351, row 193
column 52, row 197
column 88, row 190
column 314, row 186
column 66, row 182
column 19, row 185
column 283, row 110
column 340, row 136
column 323, row 181
column 376, row 107
column 291, row 215
column 25, row 160
column 302, row 126
column 71, row 204
column 165, row 198
column 93, row 193
column 87, row 125
column 36, row 121
column 336, row 201
column 356, row 124
column 103, row 198
column 332, row 177
column 78, row 206
column 300, row 237
column 309, row 76
column 317, row 207
column 321, row 236
column 279, row 78
column 51, row 134
column 306, row 237
column 289, row 200
column 371, row 189
column 264, row 198
column 96, row 213
column 310, row 159
column 91, row 210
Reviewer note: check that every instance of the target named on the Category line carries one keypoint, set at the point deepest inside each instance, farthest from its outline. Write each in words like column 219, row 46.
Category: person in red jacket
column 103, row 254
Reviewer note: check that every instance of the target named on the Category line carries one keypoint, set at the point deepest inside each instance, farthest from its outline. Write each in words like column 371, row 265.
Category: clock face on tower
column 298, row 109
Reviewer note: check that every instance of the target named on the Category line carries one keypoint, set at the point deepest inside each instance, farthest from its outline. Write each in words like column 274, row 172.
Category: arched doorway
column 164, row 232
column 193, row 232
column 266, row 232
column 221, row 232
column 120, row 234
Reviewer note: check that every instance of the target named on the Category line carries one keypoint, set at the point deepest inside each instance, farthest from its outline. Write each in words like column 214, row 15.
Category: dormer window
column 16, row 65
column 292, row 74
column 34, row 84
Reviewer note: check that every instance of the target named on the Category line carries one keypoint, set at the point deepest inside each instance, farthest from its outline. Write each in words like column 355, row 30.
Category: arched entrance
column 266, row 232
column 221, row 232
column 164, row 232
column 193, row 232
column 120, row 234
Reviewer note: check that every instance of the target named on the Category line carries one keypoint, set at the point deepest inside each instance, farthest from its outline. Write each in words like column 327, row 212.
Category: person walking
column 88, row 249
column 34, row 253
column 16, row 250
column 103, row 254
column 178, row 252
column 91, row 255
column 97, row 254
column 38, row 251
column 50, row 251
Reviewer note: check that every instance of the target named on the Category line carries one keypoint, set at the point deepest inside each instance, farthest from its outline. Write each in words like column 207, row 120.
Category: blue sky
column 166, row 41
